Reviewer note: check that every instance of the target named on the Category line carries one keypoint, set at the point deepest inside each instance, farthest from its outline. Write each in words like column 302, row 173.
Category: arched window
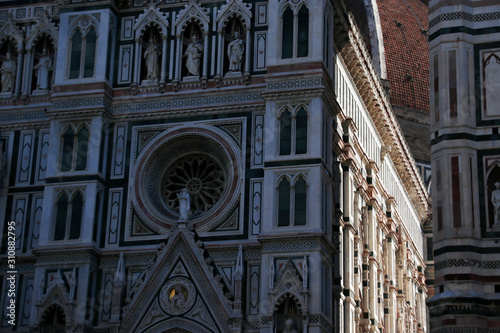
column 76, row 53
column 301, row 132
column 293, row 131
column 294, row 32
column 82, row 148
column 61, row 217
column 69, row 215
column 300, row 201
column 83, row 53
column 284, row 203
column 303, row 32
column 76, row 216
column 90, row 53
column 287, row 35
column 75, row 149
column 292, row 199
column 285, row 132
column 68, row 142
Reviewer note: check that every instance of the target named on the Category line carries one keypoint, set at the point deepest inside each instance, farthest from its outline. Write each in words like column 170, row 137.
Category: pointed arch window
column 292, row 198
column 293, row 131
column 69, row 212
column 303, row 32
column 295, row 32
column 74, row 148
column 287, row 36
column 83, row 53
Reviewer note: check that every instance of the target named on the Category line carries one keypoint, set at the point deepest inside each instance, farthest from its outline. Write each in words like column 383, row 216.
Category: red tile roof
column 404, row 26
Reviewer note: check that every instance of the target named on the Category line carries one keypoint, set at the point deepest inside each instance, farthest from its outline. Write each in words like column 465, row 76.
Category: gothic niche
column 53, row 320
column 192, row 54
column 288, row 318
column 150, row 64
column 43, row 66
column 8, row 69
column 493, row 190
column 234, row 46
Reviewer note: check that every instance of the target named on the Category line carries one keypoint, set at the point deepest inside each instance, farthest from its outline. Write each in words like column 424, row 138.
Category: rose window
column 202, row 176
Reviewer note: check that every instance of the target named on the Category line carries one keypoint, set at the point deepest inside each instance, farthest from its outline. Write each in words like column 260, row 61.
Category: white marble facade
column 301, row 206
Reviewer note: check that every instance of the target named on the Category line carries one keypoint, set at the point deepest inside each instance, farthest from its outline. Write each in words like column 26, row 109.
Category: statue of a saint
column 178, row 300
column 151, row 56
column 289, row 326
column 42, row 68
column 184, row 204
column 235, row 51
column 193, row 54
column 8, row 71
column 495, row 200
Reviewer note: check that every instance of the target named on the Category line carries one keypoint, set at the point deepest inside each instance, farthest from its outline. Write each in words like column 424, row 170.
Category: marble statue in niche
column 289, row 326
column 495, row 200
column 152, row 64
column 42, row 71
column 193, row 55
column 8, row 72
column 235, row 51
column 184, row 204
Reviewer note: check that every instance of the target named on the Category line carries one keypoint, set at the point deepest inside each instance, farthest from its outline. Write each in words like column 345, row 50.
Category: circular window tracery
column 203, row 160
column 202, row 176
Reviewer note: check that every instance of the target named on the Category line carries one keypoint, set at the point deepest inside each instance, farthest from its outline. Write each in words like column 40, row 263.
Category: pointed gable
column 192, row 12
column 234, row 8
column 44, row 27
column 152, row 16
column 179, row 292
column 10, row 31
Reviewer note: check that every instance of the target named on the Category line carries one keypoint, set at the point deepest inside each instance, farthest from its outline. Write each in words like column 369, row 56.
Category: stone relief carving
column 495, row 200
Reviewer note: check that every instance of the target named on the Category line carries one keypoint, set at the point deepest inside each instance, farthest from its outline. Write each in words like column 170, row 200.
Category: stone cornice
column 356, row 57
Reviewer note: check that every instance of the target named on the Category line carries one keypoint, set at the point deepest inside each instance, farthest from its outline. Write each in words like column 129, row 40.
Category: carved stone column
column 247, row 57
column 163, row 61
column 19, row 73
column 205, row 59
column 137, row 70
column 28, row 60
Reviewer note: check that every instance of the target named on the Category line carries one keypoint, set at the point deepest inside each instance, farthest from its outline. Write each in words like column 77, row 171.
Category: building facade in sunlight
column 204, row 166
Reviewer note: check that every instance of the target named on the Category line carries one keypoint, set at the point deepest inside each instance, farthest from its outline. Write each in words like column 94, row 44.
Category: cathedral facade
column 203, row 166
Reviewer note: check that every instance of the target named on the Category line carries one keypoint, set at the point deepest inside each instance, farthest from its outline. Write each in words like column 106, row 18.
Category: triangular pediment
column 192, row 12
column 235, row 8
column 180, row 292
column 10, row 31
column 44, row 27
column 151, row 16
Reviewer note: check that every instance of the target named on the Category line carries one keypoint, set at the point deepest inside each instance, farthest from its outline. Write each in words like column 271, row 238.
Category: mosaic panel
column 25, row 157
column 119, row 140
column 115, row 202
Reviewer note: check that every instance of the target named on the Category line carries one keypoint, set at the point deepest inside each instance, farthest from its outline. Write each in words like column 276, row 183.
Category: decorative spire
column 305, row 272
column 271, row 273
column 120, row 272
column 238, row 272
column 72, row 284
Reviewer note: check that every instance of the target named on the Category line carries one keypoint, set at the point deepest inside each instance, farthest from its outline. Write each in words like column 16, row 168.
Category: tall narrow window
column 303, row 32
column 82, row 148
column 67, row 149
column 455, row 181
column 436, row 87
column 284, row 203
column 76, row 53
column 61, row 217
column 90, row 53
column 301, row 132
column 285, row 133
column 452, row 75
column 300, row 202
column 76, row 216
column 287, row 33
